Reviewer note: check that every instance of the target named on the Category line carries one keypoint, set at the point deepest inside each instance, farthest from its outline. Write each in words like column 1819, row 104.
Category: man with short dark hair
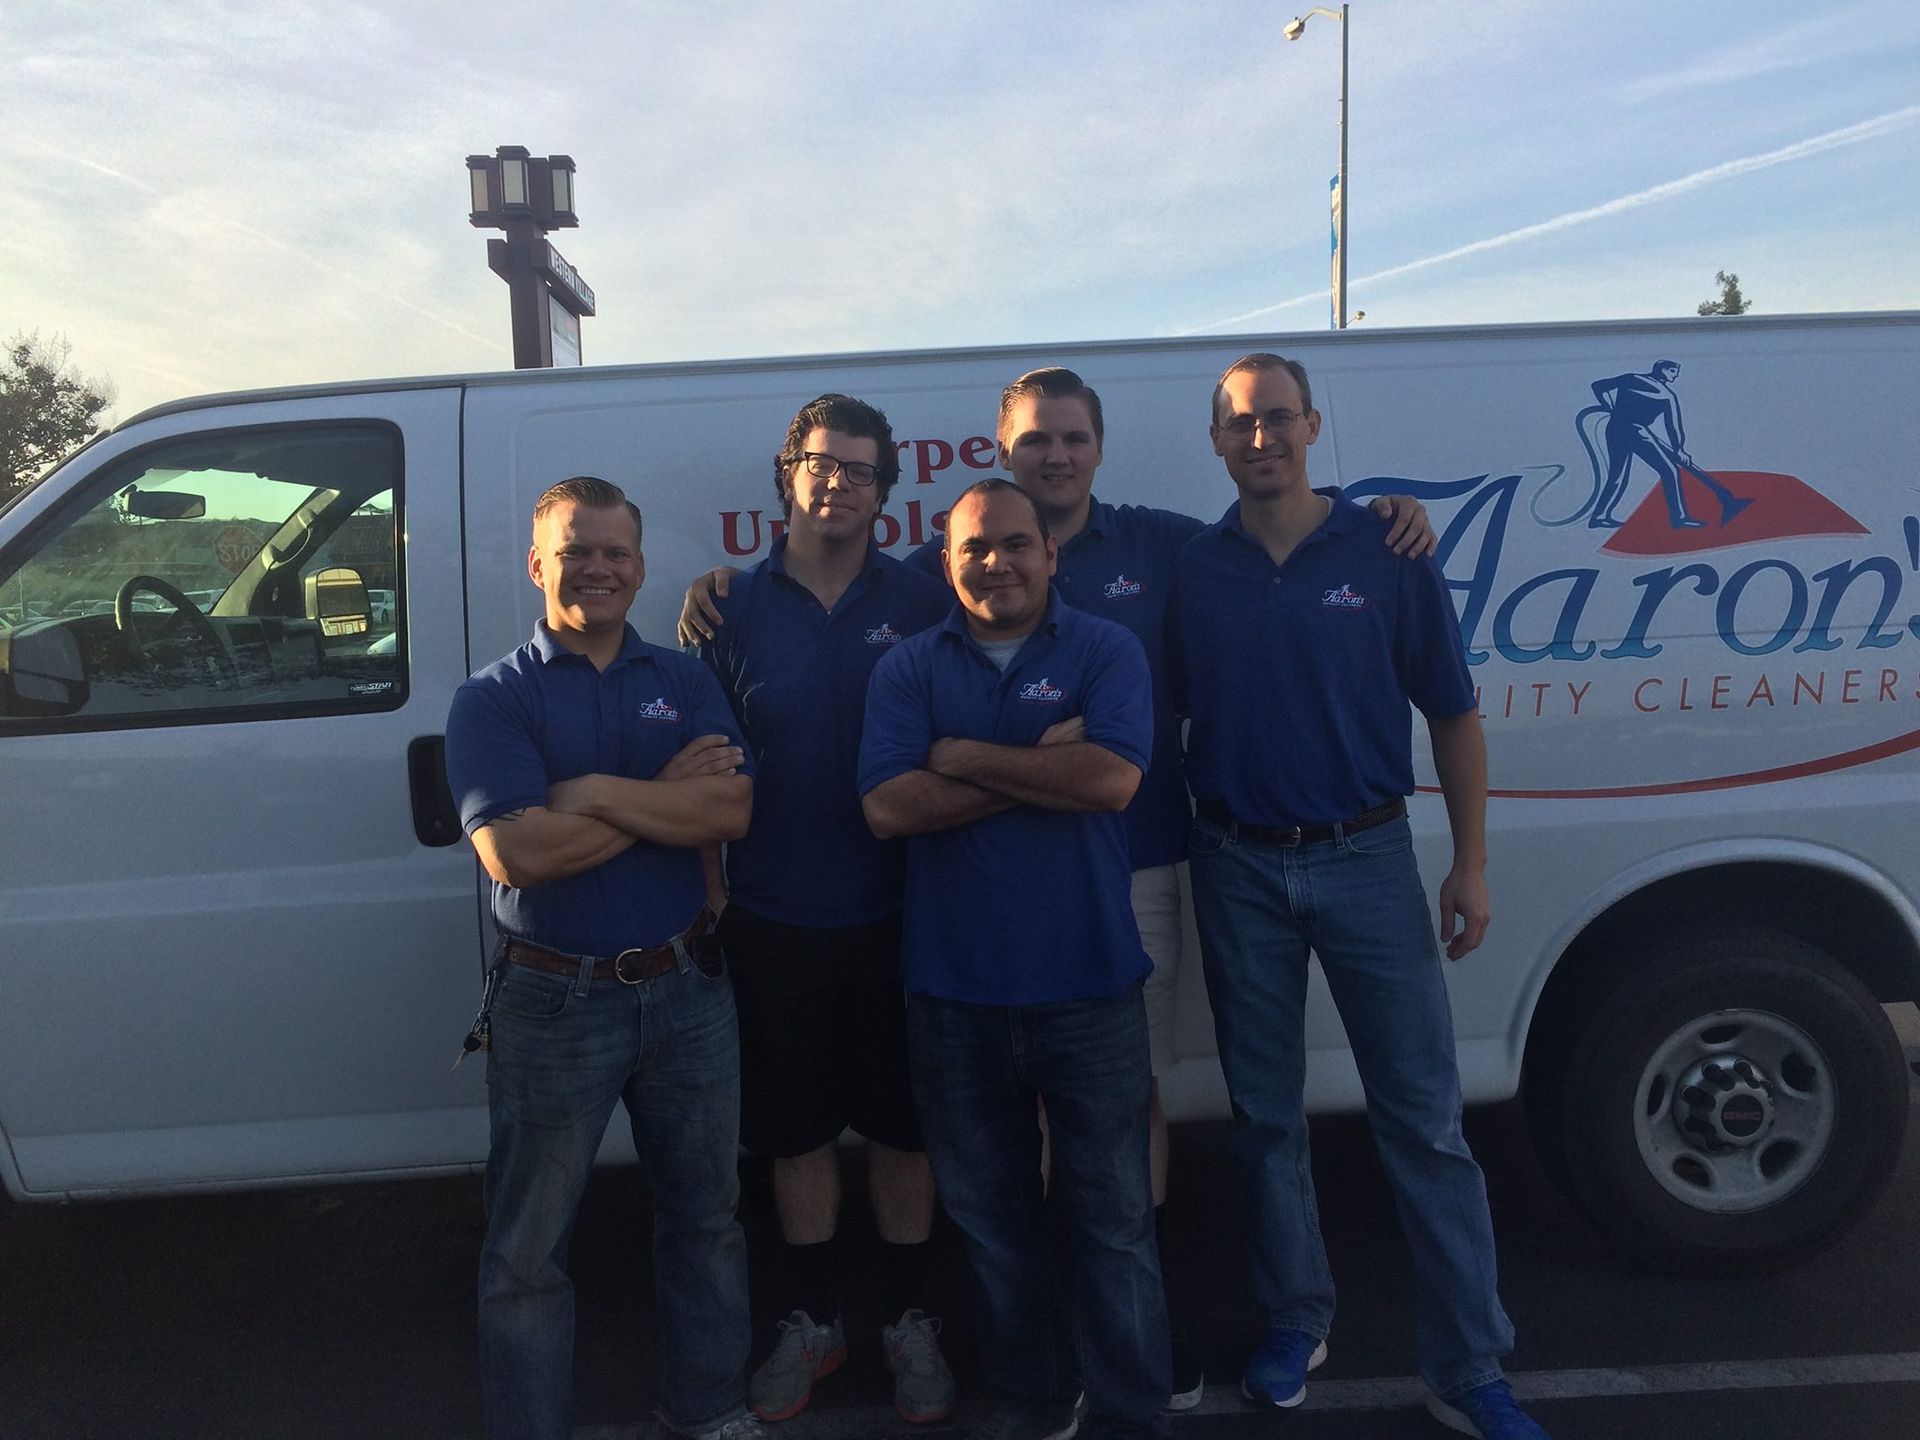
column 809, row 905
column 1298, row 648
column 589, row 767
column 1005, row 744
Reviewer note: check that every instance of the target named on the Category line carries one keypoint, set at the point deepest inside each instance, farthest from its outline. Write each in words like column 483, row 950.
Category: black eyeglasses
column 825, row 467
column 1274, row 422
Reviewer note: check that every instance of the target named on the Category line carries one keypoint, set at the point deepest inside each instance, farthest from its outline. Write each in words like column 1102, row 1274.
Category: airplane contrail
column 1799, row 150
column 338, row 272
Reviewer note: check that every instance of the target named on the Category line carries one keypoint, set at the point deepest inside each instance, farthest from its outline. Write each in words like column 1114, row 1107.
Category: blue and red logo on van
column 1715, row 596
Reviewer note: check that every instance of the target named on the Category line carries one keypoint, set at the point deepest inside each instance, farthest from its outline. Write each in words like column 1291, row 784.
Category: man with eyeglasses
column 1298, row 650
column 809, row 905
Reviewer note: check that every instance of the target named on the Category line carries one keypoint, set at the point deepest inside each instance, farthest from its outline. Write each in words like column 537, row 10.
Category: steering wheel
column 185, row 612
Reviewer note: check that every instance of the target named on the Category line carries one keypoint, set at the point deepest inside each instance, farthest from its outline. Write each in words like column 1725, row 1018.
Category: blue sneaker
column 1277, row 1372
column 1487, row 1411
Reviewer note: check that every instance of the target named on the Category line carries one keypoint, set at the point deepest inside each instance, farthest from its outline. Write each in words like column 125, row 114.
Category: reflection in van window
column 254, row 571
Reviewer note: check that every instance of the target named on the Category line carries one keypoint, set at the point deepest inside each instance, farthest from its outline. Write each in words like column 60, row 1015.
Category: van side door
column 239, row 930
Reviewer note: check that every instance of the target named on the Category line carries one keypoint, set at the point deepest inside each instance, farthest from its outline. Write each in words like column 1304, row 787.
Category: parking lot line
column 1404, row 1392
column 1399, row 1392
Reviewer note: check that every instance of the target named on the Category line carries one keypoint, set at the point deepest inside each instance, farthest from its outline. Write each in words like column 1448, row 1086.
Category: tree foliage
column 1731, row 301
column 47, row 410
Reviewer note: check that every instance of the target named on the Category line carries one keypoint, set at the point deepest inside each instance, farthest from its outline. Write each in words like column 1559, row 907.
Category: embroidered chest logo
column 660, row 709
column 1043, row 691
column 1344, row 598
column 883, row 634
column 1120, row 587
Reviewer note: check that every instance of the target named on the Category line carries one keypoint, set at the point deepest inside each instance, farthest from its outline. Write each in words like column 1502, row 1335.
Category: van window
column 213, row 578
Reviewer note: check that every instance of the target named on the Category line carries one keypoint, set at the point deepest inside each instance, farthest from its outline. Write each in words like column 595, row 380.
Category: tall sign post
column 526, row 196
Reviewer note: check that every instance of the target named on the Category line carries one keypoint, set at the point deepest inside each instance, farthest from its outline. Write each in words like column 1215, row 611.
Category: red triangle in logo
column 1778, row 507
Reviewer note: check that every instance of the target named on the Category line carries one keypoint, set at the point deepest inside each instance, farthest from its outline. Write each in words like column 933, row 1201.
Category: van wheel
column 1734, row 1103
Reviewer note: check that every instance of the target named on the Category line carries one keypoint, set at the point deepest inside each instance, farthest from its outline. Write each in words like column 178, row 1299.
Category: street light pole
column 1340, row 259
column 1293, row 31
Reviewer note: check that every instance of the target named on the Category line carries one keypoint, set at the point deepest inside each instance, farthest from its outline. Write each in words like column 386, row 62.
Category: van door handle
column 436, row 820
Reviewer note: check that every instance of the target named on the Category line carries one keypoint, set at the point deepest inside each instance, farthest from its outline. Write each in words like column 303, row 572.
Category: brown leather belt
column 1298, row 834
column 629, row 967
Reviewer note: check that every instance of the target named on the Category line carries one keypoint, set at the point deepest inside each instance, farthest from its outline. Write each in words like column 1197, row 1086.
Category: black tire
column 1731, row 1106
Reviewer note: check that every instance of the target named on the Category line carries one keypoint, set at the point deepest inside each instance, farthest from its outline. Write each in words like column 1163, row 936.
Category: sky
column 212, row 196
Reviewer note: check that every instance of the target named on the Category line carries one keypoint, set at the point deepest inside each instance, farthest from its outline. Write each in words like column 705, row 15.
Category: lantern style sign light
column 526, row 196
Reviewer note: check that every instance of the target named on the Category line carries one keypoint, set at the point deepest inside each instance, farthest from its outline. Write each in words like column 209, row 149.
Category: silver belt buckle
column 619, row 967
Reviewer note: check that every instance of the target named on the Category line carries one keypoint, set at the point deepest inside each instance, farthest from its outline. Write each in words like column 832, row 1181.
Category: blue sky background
column 209, row 196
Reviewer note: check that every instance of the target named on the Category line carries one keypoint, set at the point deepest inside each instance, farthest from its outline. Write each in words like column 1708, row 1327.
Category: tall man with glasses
column 589, row 767
column 809, row 905
column 1005, row 744
column 1297, row 648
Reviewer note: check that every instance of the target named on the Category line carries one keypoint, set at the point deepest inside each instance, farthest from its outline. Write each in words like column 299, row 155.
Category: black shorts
column 823, row 1033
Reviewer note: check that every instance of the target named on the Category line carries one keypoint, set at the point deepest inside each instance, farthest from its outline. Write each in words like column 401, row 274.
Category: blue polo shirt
column 1118, row 567
column 544, row 714
column 796, row 675
column 1029, row 905
column 1297, row 677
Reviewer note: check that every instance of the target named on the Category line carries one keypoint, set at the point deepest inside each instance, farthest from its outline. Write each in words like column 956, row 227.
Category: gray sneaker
column 740, row 1426
column 805, row 1352
column 922, row 1383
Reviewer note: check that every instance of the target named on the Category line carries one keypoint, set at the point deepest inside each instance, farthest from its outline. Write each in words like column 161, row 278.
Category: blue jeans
column 565, row 1050
column 1357, row 903
column 976, row 1072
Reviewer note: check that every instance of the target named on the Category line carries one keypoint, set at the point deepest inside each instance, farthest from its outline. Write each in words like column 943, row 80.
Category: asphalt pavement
column 321, row 1314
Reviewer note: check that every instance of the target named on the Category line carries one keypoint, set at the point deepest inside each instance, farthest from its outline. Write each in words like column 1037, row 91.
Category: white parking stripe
column 1398, row 1393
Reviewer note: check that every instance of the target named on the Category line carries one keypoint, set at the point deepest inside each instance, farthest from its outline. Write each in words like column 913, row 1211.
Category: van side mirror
column 41, row 673
column 337, row 598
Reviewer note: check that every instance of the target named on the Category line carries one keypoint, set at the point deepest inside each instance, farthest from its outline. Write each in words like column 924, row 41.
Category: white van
column 240, row 939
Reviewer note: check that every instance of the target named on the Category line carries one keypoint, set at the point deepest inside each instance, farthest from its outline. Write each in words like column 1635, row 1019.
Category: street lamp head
column 559, row 206
column 1294, row 28
column 515, row 198
column 483, row 180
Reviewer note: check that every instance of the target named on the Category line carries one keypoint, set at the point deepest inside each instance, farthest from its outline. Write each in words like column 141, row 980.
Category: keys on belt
column 633, row 966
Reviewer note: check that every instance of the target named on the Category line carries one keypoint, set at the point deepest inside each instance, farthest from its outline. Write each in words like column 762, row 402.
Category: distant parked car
column 380, row 607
